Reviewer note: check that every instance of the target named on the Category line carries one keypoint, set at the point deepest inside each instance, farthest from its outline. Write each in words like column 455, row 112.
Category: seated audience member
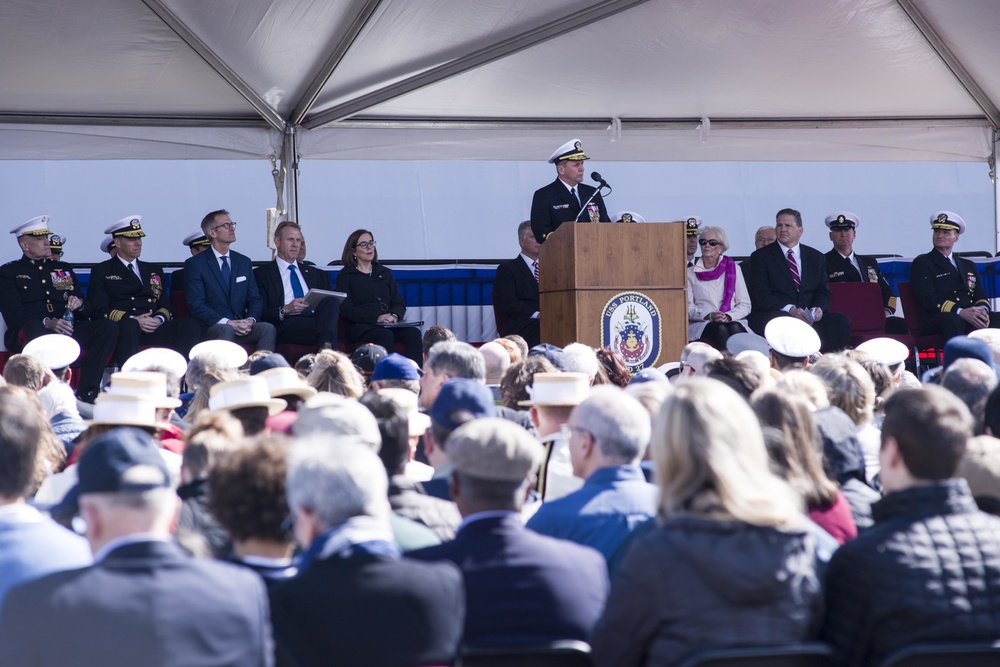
column 31, row 544
column 971, row 381
column 396, row 371
column 948, row 287
column 522, row 345
column 417, row 424
column 333, row 372
column 365, row 357
column 497, row 362
column 406, row 496
column 695, row 356
column 792, row 343
column 582, row 358
column 60, row 408
column 763, row 236
column 553, row 353
column 25, row 370
column 519, row 376
column 650, row 395
column 992, row 338
column 717, row 298
column 248, row 500
column 738, row 375
column 731, row 563
column 203, row 389
column 515, row 288
column 608, row 435
column 553, row 397
column 305, row 365
column 446, row 361
column 513, row 351
column 285, row 383
column 798, row 460
column 355, row 601
column 980, row 468
column 457, row 401
column 143, row 597
column 249, row 400
column 338, row 417
column 928, row 571
column 893, row 354
column 436, row 333
column 522, row 588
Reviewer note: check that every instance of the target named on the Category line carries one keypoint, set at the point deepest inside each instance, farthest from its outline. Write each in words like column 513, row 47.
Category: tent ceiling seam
column 951, row 61
column 475, row 59
column 131, row 121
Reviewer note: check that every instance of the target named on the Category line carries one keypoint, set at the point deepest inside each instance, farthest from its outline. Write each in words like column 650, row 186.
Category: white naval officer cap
column 629, row 216
column 692, row 225
column 129, row 226
column 887, row 350
column 948, row 220
column 842, row 220
column 792, row 337
column 38, row 226
column 107, row 242
column 196, row 238
column 571, row 150
column 54, row 350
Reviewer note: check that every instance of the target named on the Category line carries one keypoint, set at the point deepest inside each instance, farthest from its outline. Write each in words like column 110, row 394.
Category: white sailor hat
column 196, row 238
column 570, row 151
column 107, row 242
column 842, row 220
column 53, row 350
column 948, row 220
column 234, row 355
column 629, row 216
column 156, row 357
column 129, row 226
column 692, row 225
column 35, row 227
column 792, row 337
column 887, row 350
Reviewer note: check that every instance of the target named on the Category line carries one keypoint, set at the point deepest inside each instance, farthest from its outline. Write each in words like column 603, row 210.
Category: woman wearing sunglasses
column 373, row 300
column 718, row 301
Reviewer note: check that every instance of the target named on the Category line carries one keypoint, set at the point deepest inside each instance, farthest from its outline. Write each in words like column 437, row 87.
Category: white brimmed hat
column 629, row 216
column 38, row 226
column 249, row 392
column 842, row 220
column 572, row 150
column 53, row 350
column 152, row 357
column 107, row 242
column 792, row 337
column 887, row 350
column 196, row 238
column 234, row 355
column 145, row 384
column 558, row 389
column 130, row 226
column 743, row 341
column 948, row 220
column 124, row 410
column 286, row 381
column 406, row 399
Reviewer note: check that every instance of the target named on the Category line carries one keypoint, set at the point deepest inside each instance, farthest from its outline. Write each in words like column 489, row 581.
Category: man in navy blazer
column 221, row 290
column 284, row 282
column 562, row 200
column 144, row 601
column 522, row 588
column 773, row 288
column 515, row 290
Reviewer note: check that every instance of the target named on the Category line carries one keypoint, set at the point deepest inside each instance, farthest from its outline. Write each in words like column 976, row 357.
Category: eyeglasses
column 365, row 244
column 226, row 225
column 711, row 242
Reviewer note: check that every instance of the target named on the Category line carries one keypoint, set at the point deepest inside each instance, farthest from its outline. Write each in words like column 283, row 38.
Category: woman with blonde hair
column 732, row 562
column 333, row 372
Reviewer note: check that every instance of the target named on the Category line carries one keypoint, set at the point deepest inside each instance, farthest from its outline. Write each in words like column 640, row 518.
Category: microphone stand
column 597, row 191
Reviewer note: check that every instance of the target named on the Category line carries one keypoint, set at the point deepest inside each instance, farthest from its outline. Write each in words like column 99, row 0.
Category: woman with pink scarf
column 718, row 301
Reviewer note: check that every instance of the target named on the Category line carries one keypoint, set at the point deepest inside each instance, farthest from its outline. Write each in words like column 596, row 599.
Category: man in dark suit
column 221, row 291
column 284, row 282
column 562, row 200
column 845, row 266
column 40, row 296
column 355, row 601
column 515, row 289
column 763, row 236
column 522, row 588
column 948, row 288
column 790, row 279
column 144, row 601
column 134, row 294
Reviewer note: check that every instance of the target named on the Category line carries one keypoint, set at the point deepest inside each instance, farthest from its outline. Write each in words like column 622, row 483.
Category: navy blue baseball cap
column 266, row 362
column 396, row 367
column 553, row 353
column 462, row 395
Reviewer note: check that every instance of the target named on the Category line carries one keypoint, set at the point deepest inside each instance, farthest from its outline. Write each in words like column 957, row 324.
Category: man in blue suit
column 522, row 588
column 222, row 293
column 144, row 601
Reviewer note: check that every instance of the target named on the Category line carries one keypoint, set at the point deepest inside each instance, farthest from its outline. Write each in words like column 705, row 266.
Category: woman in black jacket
column 373, row 301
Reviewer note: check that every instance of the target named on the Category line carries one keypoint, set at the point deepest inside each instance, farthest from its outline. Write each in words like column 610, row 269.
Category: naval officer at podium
column 562, row 200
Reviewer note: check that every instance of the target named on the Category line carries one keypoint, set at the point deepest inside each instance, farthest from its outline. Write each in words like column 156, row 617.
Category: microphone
column 597, row 177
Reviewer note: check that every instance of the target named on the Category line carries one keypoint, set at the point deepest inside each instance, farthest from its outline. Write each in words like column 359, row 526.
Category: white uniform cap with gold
column 629, row 216
column 887, row 350
column 792, row 337
column 842, row 220
column 130, row 226
column 692, row 225
column 196, row 238
column 53, row 350
column 35, row 227
column 571, row 151
column 948, row 220
column 106, row 243
column 234, row 355
column 156, row 357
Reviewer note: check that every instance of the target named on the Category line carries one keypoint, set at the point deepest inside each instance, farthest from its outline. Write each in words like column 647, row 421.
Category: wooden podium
column 583, row 266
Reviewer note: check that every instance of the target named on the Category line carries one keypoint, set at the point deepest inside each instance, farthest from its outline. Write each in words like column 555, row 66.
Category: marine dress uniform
column 34, row 289
column 121, row 290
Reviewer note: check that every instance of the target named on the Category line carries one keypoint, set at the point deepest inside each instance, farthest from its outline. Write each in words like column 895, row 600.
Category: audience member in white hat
column 792, row 342
column 249, row 400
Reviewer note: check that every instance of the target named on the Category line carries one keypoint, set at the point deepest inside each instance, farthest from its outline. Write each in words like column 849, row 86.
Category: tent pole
column 996, row 192
column 290, row 163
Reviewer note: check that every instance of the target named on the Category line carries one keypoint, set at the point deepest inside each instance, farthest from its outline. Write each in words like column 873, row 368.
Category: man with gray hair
column 581, row 358
column 608, row 435
column 521, row 588
column 449, row 360
column 355, row 601
column 144, row 600
column 695, row 356
column 515, row 290
column 972, row 381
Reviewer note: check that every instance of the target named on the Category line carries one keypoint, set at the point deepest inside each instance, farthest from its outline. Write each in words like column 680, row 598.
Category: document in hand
column 314, row 296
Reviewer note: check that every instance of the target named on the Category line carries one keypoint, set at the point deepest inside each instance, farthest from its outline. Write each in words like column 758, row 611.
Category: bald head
column 497, row 361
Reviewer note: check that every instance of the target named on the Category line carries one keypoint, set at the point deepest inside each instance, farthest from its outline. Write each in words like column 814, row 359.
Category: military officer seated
column 846, row 266
column 39, row 295
column 948, row 287
column 134, row 294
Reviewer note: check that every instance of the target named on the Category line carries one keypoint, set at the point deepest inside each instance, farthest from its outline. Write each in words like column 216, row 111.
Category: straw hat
column 249, row 392
column 285, row 381
column 558, row 389
column 124, row 410
column 146, row 384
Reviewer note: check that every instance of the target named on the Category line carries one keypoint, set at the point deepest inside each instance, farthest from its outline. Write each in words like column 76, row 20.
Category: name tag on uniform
column 942, row 275
column 112, row 277
column 240, row 279
column 559, row 206
column 836, row 274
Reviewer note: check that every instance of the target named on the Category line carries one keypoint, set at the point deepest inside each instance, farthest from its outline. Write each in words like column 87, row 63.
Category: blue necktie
column 226, row 273
column 296, row 285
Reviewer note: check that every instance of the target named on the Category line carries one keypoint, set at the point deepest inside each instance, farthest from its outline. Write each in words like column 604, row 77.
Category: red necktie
column 794, row 268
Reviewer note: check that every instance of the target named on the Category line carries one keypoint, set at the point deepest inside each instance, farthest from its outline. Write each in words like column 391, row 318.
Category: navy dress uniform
column 945, row 285
column 559, row 201
column 123, row 288
column 692, row 230
column 36, row 289
column 195, row 242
